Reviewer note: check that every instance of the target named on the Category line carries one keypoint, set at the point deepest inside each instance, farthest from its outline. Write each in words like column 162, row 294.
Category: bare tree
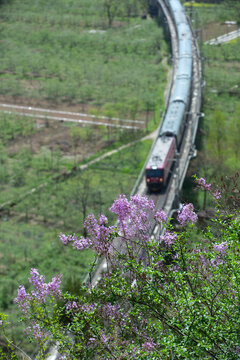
column 111, row 10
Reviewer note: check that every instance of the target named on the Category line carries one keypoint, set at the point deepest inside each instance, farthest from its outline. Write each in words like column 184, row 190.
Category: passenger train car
column 173, row 125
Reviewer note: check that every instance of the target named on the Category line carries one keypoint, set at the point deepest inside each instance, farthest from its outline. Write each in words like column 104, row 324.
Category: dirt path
column 110, row 153
column 70, row 116
column 224, row 38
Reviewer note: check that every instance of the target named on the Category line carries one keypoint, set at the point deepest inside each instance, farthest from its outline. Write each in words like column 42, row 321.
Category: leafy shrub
column 158, row 298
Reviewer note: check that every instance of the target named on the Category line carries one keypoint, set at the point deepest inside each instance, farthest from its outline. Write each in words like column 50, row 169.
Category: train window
column 154, row 173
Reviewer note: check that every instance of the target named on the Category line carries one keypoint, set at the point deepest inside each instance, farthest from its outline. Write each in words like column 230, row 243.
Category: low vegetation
column 69, row 55
column 179, row 300
column 218, row 144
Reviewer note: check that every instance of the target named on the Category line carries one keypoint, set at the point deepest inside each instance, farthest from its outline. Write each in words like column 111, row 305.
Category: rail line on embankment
column 170, row 198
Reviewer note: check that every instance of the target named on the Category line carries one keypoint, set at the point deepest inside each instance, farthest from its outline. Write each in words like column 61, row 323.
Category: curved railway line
column 169, row 199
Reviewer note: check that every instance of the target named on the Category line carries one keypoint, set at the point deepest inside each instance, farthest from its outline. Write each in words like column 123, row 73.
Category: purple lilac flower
column 42, row 289
column 103, row 220
column 160, row 216
column 22, row 299
column 111, row 311
column 40, row 292
column 133, row 219
column 91, row 340
column 186, row 215
column 72, row 305
column 216, row 261
column 133, row 216
column 88, row 307
column 221, row 248
column 202, row 184
column 54, row 286
column 104, row 338
column 35, row 330
column 169, row 238
column 121, row 207
column 101, row 235
column 67, row 238
column 82, row 243
column 1, row 322
column 217, row 195
column 149, row 346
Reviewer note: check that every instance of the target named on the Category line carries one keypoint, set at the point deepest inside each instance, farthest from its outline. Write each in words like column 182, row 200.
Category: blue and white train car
column 173, row 124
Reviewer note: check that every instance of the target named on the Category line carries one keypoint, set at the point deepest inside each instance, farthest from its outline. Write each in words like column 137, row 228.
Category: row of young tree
column 125, row 8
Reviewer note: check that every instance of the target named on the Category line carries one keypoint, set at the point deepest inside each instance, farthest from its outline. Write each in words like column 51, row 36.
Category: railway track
column 169, row 199
column 187, row 151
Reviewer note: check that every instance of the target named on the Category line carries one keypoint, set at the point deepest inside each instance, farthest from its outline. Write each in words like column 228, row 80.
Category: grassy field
column 63, row 54
column 205, row 13
column 218, row 137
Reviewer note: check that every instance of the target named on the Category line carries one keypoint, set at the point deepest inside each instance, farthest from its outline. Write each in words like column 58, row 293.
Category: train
column 163, row 155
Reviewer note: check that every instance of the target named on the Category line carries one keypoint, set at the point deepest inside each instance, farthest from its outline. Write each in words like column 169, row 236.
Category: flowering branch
column 172, row 296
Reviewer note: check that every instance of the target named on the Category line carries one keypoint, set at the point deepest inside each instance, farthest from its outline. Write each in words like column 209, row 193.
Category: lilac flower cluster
column 187, row 215
column 23, row 299
column 100, row 236
column 202, row 184
column 35, row 330
column 169, row 238
column 221, row 248
column 217, row 195
column 40, row 292
column 73, row 305
column 133, row 216
column 79, row 243
column 216, row 261
column 111, row 311
column 160, row 216
column 208, row 263
column 149, row 346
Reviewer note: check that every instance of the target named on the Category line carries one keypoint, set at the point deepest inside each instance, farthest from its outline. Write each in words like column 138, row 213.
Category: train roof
column 184, row 32
column 185, row 48
column 176, row 5
column 160, row 152
column 181, row 89
column 173, row 119
column 180, row 17
column 184, row 67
